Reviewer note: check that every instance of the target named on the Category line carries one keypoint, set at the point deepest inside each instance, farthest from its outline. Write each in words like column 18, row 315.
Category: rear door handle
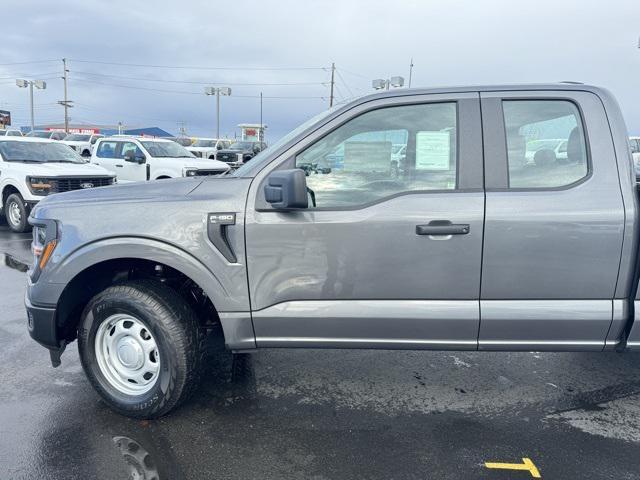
column 120, row 166
column 442, row 227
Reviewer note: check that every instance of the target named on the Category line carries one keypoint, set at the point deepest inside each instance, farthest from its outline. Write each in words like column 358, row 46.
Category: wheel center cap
column 130, row 353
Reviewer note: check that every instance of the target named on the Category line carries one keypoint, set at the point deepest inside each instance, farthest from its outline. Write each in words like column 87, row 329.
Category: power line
column 354, row 73
column 187, row 67
column 182, row 92
column 32, row 75
column 29, row 62
column 344, row 83
column 193, row 82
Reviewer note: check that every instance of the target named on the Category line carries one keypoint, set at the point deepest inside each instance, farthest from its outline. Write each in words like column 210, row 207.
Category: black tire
column 175, row 329
column 21, row 224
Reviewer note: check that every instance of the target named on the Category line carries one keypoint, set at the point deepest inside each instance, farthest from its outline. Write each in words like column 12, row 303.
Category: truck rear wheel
column 141, row 347
column 16, row 213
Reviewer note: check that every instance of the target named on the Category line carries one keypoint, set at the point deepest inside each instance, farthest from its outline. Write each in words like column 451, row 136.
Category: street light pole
column 31, row 104
column 384, row 84
column 217, row 91
column 40, row 84
column 217, row 113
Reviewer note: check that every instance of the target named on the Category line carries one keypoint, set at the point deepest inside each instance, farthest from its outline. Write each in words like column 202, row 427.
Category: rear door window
column 546, row 145
column 107, row 149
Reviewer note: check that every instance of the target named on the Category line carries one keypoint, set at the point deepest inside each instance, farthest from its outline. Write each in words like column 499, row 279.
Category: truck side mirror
column 287, row 189
column 131, row 156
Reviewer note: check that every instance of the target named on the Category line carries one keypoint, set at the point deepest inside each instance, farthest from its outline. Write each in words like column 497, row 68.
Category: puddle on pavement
column 15, row 263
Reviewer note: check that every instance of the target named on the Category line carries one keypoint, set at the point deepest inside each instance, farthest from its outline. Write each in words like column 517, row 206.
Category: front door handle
column 442, row 227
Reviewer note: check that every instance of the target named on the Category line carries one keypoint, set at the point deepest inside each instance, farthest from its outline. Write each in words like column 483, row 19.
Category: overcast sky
column 451, row 42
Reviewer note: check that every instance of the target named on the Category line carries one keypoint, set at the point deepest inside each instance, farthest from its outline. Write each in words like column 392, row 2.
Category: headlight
column 39, row 186
column 189, row 172
column 44, row 242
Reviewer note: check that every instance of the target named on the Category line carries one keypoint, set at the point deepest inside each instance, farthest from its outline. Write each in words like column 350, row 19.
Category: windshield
column 251, row 167
column 166, row 149
column 205, row 143
column 241, row 146
column 76, row 137
column 184, row 141
column 39, row 134
column 39, row 152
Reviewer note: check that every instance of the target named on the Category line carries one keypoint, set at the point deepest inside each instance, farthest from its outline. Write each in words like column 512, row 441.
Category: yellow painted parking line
column 526, row 465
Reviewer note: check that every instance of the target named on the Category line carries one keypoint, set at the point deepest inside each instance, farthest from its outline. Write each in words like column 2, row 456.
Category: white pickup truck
column 134, row 159
column 208, row 147
column 32, row 168
column 82, row 143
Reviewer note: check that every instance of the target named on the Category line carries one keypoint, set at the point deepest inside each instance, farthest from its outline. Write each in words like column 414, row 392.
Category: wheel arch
column 95, row 266
column 8, row 189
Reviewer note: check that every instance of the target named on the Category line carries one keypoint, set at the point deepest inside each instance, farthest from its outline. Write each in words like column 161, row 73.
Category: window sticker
column 433, row 151
column 367, row 156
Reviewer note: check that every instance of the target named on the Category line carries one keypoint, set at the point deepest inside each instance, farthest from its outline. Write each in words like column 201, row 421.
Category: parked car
column 184, row 141
column 466, row 249
column 208, row 147
column 50, row 134
column 557, row 145
column 32, row 168
column 10, row 133
column 240, row 152
column 134, row 159
column 634, row 143
column 82, row 143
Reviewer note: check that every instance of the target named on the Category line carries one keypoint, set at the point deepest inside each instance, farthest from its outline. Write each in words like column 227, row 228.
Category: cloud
column 452, row 43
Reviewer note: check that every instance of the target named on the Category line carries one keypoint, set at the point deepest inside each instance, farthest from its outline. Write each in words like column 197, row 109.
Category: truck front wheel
column 16, row 213
column 140, row 345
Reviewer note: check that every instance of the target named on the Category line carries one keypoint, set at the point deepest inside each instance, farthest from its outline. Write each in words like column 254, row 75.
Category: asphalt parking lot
column 321, row 414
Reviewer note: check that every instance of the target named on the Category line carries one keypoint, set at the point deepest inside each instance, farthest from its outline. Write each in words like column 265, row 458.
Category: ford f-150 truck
column 472, row 243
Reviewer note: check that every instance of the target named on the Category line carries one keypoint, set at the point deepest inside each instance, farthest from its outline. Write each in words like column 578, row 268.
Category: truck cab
column 480, row 236
column 208, row 147
column 134, row 159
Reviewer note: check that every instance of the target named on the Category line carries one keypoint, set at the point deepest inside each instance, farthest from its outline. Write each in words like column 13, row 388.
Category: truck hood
column 228, row 150
column 128, row 192
column 51, row 169
column 146, row 195
column 198, row 163
column 75, row 143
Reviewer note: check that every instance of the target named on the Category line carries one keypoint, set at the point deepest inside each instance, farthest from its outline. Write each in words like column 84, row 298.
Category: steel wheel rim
column 127, row 354
column 15, row 216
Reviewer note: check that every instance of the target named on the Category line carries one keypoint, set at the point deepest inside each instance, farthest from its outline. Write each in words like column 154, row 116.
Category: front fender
column 165, row 172
column 140, row 248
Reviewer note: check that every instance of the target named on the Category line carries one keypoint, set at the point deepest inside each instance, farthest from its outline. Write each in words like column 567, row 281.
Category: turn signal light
column 46, row 253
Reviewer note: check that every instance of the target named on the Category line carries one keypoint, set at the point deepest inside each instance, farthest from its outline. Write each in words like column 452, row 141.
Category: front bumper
column 41, row 323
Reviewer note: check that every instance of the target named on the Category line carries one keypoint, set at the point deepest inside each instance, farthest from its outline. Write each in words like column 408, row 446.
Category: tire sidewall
column 22, row 226
column 145, row 404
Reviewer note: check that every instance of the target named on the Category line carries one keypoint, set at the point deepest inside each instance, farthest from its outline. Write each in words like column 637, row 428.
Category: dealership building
column 102, row 129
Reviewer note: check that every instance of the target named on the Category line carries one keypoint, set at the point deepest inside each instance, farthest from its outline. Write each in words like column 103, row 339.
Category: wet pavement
column 321, row 414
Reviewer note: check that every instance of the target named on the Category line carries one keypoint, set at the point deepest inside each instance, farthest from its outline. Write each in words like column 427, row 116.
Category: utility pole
column 261, row 129
column 66, row 103
column 333, row 72
column 410, row 71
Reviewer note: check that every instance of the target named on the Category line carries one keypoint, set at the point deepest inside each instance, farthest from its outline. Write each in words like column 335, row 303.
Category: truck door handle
column 118, row 165
column 442, row 227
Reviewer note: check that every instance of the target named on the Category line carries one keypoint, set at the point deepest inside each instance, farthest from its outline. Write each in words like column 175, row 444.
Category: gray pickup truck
column 510, row 223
